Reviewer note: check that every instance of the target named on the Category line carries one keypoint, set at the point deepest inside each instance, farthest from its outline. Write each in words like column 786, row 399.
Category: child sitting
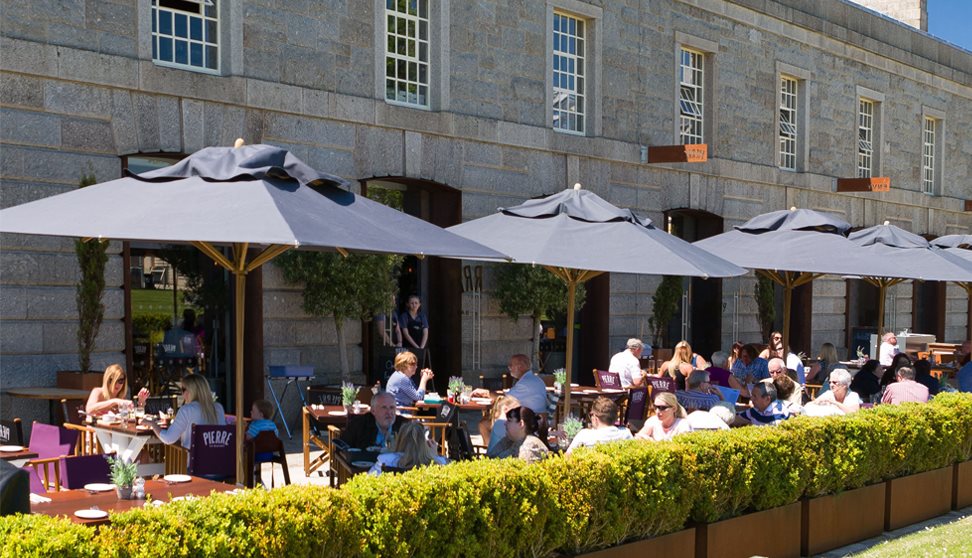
column 260, row 414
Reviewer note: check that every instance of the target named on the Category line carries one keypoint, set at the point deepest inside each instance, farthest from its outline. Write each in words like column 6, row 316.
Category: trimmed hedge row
column 599, row 497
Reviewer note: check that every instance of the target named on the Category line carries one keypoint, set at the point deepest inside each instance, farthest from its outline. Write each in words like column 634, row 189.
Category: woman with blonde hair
column 683, row 355
column 197, row 407
column 413, row 448
column 113, row 393
column 667, row 422
column 827, row 362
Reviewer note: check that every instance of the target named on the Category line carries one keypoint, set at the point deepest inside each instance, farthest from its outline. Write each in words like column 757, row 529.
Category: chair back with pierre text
column 604, row 379
column 212, row 453
column 637, row 405
column 659, row 384
column 11, row 432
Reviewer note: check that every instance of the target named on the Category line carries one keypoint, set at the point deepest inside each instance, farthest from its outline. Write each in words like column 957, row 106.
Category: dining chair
column 47, row 440
column 45, row 474
column 12, row 432
column 438, row 432
column 637, row 405
column 266, row 447
column 71, row 410
column 212, row 452
column 79, row 470
column 661, row 383
column 604, row 379
column 88, row 443
column 175, row 458
column 494, row 384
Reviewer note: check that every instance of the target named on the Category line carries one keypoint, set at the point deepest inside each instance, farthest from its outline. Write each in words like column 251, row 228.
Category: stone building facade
column 486, row 112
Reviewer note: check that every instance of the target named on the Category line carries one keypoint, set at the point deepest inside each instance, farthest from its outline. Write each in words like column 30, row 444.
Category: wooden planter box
column 679, row 543
column 918, row 497
column 962, row 485
column 774, row 532
column 833, row 521
column 73, row 379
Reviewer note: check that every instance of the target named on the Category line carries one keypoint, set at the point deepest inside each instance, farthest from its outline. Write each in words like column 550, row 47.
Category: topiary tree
column 765, row 293
column 92, row 256
column 534, row 291
column 664, row 305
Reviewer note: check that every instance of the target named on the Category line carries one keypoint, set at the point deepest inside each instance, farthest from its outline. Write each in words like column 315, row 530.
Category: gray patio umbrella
column 258, row 196
column 959, row 245
column 793, row 247
column 953, row 241
column 916, row 258
column 577, row 235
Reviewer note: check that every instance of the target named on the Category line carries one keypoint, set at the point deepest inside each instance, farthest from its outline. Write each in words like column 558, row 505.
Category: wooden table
column 328, row 415
column 347, row 464
column 52, row 394
column 66, row 502
column 126, row 440
column 17, row 458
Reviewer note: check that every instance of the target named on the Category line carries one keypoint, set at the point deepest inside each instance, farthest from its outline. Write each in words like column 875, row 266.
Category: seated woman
column 400, row 382
column 522, row 437
column 668, row 421
column 820, row 371
column 604, row 413
column 113, row 393
column 839, row 400
column 787, row 389
column 198, row 407
column 413, row 448
column 683, row 354
column 493, row 429
column 891, row 373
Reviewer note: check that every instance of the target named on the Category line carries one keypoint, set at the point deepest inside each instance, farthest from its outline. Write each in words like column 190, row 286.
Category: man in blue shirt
column 965, row 373
column 529, row 390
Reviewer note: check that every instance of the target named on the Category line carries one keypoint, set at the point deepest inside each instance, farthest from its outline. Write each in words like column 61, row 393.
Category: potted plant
column 455, row 388
column 348, row 394
column 92, row 256
column 123, row 475
column 560, row 379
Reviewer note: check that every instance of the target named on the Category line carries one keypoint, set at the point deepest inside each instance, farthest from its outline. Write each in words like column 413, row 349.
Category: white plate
column 177, row 478
column 91, row 514
column 589, row 391
column 482, row 400
column 612, row 390
column 99, row 487
column 337, row 413
column 11, row 448
column 574, row 385
column 362, row 464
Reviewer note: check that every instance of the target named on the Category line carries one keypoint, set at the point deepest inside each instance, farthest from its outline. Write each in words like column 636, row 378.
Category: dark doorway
column 591, row 340
column 928, row 314
column 862, row 315
column 801, row 319
column 702, row 320
column 435, row 280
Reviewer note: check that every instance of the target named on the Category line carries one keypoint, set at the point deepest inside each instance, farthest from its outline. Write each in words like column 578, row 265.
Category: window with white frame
column 691, row 95
column 185, row 34
column 928, row 162
column 407, row 52
column 789, row 125
column 569, row 73
column 865, row 138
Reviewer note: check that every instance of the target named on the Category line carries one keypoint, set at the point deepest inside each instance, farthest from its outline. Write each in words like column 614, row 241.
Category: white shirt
column 814, row 409
column 181, row 427
column 592, row 436
column 392, row 459
column 654, row 429
column 704, row 420
column 887, row 352
column 793, row 362
column 626, row 365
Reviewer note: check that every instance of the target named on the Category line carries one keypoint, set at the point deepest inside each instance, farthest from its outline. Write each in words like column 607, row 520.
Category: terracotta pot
column 840, row 519
column 75, row 379
column 962, row 489
column 679, row 543
column 774, row 532
column 918, row 497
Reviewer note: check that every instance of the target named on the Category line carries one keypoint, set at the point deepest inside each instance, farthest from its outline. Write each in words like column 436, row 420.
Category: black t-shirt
column 865, row 384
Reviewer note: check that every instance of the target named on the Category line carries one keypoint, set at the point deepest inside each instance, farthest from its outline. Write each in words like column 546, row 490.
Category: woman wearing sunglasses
column 667, row 422
column 197, row 407
column 113, row 393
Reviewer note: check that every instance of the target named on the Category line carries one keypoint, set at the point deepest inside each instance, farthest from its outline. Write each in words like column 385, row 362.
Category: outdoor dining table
column 52, row 394
column 66, row 502
column 126, row 440
column 327, row 415
column 17, row 458
column 351, row 462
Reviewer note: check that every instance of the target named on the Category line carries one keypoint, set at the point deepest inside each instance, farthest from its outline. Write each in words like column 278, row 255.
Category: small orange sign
column 689, row 153
column 872, row 184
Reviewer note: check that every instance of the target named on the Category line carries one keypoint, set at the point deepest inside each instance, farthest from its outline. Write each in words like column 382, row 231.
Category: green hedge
column 598, row 497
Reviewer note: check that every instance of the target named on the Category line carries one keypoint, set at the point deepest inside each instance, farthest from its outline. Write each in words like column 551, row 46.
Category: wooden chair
column 71, row 409
column 12, row 432
column 811, row 390
column 272, row 450
column 364, row 395
column 176, row 459
column 604, row 379
column 438, row 432
column 661, row 383
column 47, row 440
column 88, row 443
column 333, row 433
column 495, row 384
column 46, row 471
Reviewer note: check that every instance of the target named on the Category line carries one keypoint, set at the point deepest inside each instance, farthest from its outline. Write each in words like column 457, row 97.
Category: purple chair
column 36, row 484
column 212, row 453
column 637, row 405
column 79, row 470
column 605, row 379
column 47, row 440
column 11, row 432
column 663, row 383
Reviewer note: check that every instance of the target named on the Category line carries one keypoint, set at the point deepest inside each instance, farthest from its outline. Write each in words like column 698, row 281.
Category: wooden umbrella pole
column 571, row 294
column 882, row 292
column 238, row 311
column 787, row 308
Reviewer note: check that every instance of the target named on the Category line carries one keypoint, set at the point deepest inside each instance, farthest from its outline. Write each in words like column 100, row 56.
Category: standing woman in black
column 415, row 328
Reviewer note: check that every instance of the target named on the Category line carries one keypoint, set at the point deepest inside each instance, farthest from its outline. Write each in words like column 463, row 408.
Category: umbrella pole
column 571, row 293
column 882, row 292
column 238, row 311
column 787, row 306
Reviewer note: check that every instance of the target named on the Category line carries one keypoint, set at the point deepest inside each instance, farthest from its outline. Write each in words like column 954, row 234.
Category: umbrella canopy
column 578, row 235
column 953, row 241
column 793, row 247
column 916, row 258
column 258, row 195
column 960, row 246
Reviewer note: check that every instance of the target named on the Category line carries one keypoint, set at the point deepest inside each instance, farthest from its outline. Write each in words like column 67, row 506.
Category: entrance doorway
column 928, row 315
column 862, row 316
column 436, row 281
column 701, row 308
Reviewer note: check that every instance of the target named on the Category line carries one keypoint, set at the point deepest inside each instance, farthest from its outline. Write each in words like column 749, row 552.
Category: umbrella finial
column 238, row 143
column 577, row 186
column 793, row 208
column 886, row 223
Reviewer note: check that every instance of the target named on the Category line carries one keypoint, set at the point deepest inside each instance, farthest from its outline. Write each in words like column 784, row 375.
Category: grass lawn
column 952, row 539
column 155, row 301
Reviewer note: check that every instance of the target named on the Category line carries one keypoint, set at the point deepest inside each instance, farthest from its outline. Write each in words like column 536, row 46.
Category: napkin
column 38, row 499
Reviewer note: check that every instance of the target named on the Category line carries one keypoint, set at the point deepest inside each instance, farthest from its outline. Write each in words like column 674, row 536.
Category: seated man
column 627, row 364
column 965, row 373
column 905, row 388
column 529, row 390
column 377, row 428
column 604, row 413
column 700, row 395
column 767, row 410
column 889, row 348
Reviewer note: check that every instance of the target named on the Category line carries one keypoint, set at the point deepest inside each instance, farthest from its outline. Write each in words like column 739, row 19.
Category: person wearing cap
column 627, row 364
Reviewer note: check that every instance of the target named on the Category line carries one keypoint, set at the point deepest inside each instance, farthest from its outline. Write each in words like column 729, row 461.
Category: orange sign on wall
column 690, row 153
column 872, row 184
